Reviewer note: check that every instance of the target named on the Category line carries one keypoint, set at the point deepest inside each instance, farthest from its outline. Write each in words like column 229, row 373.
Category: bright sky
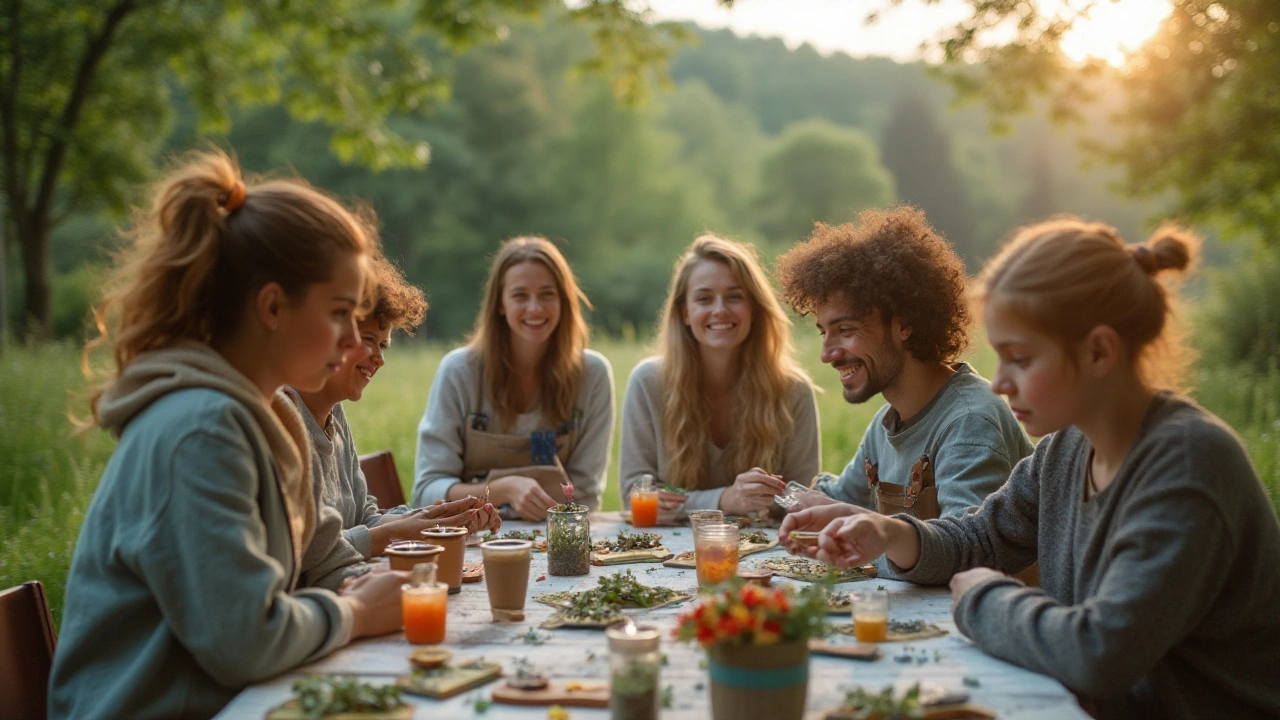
column 838, row 25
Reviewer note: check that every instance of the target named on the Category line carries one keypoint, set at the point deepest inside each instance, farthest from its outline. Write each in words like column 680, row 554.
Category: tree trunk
column 37, row 320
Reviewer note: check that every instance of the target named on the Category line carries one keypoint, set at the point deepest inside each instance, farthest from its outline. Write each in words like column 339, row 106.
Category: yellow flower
column 555, row 712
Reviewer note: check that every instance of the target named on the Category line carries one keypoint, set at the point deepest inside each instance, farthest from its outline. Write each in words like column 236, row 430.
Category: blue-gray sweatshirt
column 181, row 589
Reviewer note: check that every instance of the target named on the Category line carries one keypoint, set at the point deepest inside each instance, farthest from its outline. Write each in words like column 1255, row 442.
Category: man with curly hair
column 350, row 527
column 888, row 297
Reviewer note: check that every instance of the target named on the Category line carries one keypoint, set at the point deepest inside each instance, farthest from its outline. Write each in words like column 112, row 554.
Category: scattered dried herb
column 329, row 695
column 615, row 592
column 533, row 637
column 530, row 535
column 906, row 627
column 755, row 538
column 971, row 681
column 668, row 697
column 629, row 541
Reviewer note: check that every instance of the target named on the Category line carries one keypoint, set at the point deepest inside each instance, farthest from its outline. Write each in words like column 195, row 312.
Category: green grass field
column 49, row 473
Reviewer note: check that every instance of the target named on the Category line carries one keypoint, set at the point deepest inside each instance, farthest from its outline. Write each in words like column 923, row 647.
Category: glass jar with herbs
column 568, row 540
column 634, row 668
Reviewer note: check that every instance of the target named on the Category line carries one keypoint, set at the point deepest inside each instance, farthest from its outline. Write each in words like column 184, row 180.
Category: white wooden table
column 1008, row 690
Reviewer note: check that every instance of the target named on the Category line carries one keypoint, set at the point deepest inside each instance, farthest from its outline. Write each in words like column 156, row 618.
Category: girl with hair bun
column 1159, row 551
column 184, row 584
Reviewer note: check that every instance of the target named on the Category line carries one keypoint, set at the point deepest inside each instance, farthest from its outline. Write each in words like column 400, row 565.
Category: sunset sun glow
column 1113, row 29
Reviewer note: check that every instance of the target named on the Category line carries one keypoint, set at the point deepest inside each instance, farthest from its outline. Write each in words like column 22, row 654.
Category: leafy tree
column 918, row 151
column 1201, row 114
column 819, row 172
column 86, row 85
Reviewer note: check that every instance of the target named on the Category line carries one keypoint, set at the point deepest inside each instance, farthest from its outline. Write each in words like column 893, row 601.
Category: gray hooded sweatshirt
column 182, row 586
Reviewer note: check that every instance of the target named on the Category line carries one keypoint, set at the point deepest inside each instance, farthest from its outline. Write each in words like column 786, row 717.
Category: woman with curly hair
column 723, row 412
column 524, row 409
column 352, row 529
column 888, row 295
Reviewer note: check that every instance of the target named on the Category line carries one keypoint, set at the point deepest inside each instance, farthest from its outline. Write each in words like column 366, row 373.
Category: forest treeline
column 750, row 139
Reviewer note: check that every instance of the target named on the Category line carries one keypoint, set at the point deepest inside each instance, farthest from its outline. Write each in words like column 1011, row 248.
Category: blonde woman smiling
column 524, row 408
column 723, row 412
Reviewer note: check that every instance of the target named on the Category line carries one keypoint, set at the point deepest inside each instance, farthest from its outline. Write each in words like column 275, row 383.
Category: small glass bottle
column 635, row 666
column 568, row 541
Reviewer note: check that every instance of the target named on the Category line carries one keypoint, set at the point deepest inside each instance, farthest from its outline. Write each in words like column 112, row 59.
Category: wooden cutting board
column 449, row 680
column 860, row 651
column 592, row 693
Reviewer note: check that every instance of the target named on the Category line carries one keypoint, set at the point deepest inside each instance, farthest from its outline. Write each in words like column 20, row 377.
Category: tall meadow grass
column 48, row 473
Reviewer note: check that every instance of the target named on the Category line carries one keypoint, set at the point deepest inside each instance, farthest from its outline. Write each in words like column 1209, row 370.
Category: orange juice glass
column 425, row 604
column 870, row 615
column 644, row 508
column 715, row 553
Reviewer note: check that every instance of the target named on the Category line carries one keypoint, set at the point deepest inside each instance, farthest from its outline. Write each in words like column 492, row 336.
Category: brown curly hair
column 398, row 304
column 893, row 261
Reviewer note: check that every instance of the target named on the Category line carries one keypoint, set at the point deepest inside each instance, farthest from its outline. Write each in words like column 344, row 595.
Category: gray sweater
column 1160, row 595
column 456, row 394
column 181, row 588
column 642, row 451
column 967, row 431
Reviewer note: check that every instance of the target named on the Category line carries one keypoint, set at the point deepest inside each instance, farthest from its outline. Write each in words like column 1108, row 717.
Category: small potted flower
column 757, row 641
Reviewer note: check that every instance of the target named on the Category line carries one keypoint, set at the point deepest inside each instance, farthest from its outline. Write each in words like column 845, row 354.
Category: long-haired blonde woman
column 723, row 412
column 524, row 407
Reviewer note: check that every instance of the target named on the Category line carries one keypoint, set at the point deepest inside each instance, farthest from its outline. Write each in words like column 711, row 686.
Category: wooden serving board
column 449, row 680
column 591, row 693
column 861, row 651
column 608, row 557
column 474, row 572
column 293, row 711
column 798, row 568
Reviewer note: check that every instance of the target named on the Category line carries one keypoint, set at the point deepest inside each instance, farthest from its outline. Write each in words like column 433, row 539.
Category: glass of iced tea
column 644, row 503
column 716, row 553
column 870, row 614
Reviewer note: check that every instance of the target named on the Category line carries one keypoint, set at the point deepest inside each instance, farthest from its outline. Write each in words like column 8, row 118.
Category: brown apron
column 489, row 456
column 919, row 499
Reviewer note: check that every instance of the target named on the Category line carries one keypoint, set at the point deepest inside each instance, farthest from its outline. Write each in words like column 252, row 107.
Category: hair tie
column 1145, row 259
column 235, row 198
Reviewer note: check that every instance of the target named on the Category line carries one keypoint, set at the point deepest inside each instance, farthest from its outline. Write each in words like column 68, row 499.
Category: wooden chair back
column 380, row 474
column 27, row 639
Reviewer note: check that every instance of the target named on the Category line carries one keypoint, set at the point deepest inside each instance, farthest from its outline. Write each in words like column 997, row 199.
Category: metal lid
column 630, row 639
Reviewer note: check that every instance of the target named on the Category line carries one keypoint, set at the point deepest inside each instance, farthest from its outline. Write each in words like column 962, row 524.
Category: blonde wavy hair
column 191, row 264
column 767, row 372
column 561, row 370
column 1066, row 276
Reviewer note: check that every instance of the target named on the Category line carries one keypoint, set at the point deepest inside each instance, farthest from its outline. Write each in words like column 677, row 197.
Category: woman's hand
column 524, row 495
column 858, row 539
column 670, row 507
column 753, row 490
column 375, row 603
column 963, row 582
column 813, row 519
column 458, row 513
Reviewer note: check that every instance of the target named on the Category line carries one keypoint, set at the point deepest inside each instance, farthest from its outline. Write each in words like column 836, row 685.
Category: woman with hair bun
column 723, row 412
column 184, row 584
column 1159, row 551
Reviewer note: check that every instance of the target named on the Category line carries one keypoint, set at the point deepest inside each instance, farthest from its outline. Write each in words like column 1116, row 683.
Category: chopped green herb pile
column 614, row 592
column 755, row 538
column 674, row 489
column 884, row 705
column 319, row 696
column 629, row 541
column 569, row 507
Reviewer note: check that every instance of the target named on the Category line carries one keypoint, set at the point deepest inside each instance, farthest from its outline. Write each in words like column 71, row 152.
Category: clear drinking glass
column 870, row 615
column 425, row 604
column 716, row 553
